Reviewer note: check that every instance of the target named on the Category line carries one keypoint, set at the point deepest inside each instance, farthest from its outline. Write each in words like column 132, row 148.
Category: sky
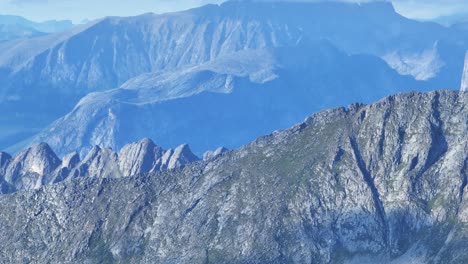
column 79, row 10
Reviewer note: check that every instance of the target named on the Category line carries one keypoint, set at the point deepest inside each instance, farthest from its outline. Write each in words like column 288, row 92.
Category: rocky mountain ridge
column 39, row 165
column 379, row 183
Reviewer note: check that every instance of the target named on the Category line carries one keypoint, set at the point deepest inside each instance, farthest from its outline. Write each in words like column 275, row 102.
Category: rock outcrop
column 178, row 157
column 140, row 157
column 209, row 155
column 382, row 183
column 32, row 168
column 38, row 166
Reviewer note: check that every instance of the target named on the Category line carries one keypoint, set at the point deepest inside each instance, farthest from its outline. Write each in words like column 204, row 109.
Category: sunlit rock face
column 31, row 168
column 37, row 166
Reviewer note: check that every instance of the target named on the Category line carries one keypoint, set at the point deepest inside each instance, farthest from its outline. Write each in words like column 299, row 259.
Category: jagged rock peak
column 209, row 155
column 184, row 149
column 181, row 156
column 100, row 162
column 139, row 157
column 39, row 165
column 31, row 168
column 145, row 143
column 39, row 159
column 42, row 149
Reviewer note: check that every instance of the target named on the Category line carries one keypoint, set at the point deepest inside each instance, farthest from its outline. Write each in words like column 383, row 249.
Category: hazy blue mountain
column 16, row 27
column 226, row 102
column 105, row 54
column 10, row 32
column 50, row 26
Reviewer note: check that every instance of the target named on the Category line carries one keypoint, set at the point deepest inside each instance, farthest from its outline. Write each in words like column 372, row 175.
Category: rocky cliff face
column 38, row 166
column 382, row 183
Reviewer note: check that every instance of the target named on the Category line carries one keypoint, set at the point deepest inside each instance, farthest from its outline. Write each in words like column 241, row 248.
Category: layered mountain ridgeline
column 15, row 27
column 229, row 101
column 39, row 165
column 383, row 183
column 106, row 53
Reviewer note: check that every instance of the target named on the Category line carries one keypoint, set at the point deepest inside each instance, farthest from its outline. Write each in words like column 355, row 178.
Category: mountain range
column 378, row 183
column 127, row 60
column 16, row 27
column 226, row 102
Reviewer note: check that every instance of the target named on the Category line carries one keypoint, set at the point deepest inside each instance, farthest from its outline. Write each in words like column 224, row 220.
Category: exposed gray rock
column 32, row 168
column 383, row 183
column 179, row 157
column 69, row 162
column 209, row 155
column 140, row 157
column 39, row 166
column 100, row 162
